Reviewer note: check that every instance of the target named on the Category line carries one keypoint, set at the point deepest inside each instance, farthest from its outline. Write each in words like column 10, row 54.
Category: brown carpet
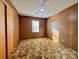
column 42, row 48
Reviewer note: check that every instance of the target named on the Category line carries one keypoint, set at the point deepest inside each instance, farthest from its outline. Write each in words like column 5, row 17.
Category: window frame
column 37, row 26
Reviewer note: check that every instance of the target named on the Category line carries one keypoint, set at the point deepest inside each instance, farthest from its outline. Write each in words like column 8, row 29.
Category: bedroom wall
column 12, row 27
column 25, row 27
column 66, row 23
column 2, row 31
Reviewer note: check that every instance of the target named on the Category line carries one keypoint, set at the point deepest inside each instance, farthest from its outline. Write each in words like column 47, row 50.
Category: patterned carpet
column 42, row 48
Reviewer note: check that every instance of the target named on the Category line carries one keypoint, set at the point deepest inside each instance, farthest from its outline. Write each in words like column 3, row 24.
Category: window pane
column 35, row 26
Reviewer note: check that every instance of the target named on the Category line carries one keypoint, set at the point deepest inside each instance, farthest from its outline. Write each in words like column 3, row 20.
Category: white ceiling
column 31, row 7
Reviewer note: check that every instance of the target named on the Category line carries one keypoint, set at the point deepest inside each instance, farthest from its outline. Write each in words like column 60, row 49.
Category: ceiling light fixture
column 42, row 2
column 42, row 9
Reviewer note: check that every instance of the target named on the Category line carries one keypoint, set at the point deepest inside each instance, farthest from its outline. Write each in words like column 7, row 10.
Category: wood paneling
column 25, row 24
column 66, row 22
column 2, row 31
column 16, row 28
column 10, row 5
column 12, row 30
column 9, row 30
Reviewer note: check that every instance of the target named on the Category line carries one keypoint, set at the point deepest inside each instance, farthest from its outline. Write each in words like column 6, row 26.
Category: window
column 55, row 35
column 35, row 26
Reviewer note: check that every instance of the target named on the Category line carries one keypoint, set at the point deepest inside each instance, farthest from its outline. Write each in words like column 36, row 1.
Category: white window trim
column 34, row 25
